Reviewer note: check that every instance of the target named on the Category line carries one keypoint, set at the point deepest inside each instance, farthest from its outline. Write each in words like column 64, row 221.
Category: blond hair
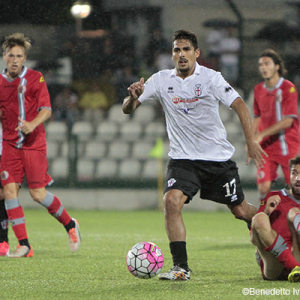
column 16, row 39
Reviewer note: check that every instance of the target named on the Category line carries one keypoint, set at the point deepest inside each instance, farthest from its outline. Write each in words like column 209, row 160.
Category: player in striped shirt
column 276, row 230
column 25, row 106
column 276, row 120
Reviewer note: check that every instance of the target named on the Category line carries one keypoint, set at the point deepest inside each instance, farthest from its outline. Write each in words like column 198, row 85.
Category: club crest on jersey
column 4, row 175
column 42, row 79
column 197, row 90
column 171, row 182
column 21, row 89
column 261, row 174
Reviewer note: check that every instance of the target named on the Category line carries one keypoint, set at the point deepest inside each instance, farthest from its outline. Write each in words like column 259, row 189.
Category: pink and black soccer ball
column 144, row 260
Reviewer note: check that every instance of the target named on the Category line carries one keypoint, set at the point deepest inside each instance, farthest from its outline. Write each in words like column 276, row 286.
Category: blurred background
column 90, row 51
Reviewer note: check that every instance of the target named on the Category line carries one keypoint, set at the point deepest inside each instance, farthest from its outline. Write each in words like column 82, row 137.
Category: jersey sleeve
column 150, row 89
column 222, row 90
column 42, row 94
column 290, row 102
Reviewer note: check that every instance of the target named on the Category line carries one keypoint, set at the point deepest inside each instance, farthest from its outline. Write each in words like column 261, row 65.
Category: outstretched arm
column 131, row 103
column 254, row 149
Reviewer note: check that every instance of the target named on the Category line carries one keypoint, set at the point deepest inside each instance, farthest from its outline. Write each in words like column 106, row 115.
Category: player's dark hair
column 186, row 35
column 276, row 59
column 16, row 39
column 294, row 161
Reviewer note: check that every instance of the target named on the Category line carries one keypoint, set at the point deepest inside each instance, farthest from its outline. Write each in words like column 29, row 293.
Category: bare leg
column 244, row 211
column 263, row 236
column 295, row 235
column 174, row 201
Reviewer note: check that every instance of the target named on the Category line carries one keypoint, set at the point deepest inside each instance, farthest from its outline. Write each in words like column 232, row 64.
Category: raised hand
column 136, row 89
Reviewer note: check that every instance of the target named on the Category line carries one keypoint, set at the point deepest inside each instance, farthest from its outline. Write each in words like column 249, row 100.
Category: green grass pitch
column 220, row 255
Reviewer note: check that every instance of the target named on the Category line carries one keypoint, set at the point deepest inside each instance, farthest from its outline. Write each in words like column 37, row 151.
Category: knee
column 10, row 192
column 264, row 188
column 239, row 211
column 172, row 203
column 38, row 195
column 292, row 214
column 259, row 221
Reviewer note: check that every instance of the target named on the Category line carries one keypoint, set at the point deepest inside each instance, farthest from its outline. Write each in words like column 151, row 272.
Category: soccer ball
column 144, row 260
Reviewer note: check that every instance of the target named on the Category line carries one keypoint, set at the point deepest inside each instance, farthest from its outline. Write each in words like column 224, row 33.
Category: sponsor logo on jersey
column 4, row 175
column 186, row 104
column 185, row 110
column 292, row 89
column 177, row 100
column 42, row 79
column 197, row 90
column 228, row 89
column 171, row 182
column 170, row 89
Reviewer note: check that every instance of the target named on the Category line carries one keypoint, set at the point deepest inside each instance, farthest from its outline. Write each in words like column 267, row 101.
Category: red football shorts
column 18, row 163
column 269, row 171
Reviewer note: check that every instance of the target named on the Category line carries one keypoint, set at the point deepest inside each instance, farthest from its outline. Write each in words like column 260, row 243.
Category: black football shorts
column 217, row 181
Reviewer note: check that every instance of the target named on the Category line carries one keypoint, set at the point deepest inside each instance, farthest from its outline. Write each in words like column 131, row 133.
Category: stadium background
column 102, row 161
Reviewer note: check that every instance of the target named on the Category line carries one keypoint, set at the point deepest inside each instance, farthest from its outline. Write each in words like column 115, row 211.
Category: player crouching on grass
column 276, row 230
column 25, row 106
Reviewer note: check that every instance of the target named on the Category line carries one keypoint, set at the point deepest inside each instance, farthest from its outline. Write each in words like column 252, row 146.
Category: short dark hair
column 186, row 35
column 16, row 39
column 276, row 59
column 294, row 161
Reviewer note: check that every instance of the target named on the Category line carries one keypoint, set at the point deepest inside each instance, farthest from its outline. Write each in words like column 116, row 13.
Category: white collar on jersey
column 21, row 75
column 196, row 72
column 277, row 85
column 285, row 192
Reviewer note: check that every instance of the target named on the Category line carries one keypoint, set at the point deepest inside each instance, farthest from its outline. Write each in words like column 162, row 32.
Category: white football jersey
column 191, row 108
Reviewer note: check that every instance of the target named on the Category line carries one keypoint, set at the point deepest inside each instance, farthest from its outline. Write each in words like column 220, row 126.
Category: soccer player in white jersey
column 199, row 151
